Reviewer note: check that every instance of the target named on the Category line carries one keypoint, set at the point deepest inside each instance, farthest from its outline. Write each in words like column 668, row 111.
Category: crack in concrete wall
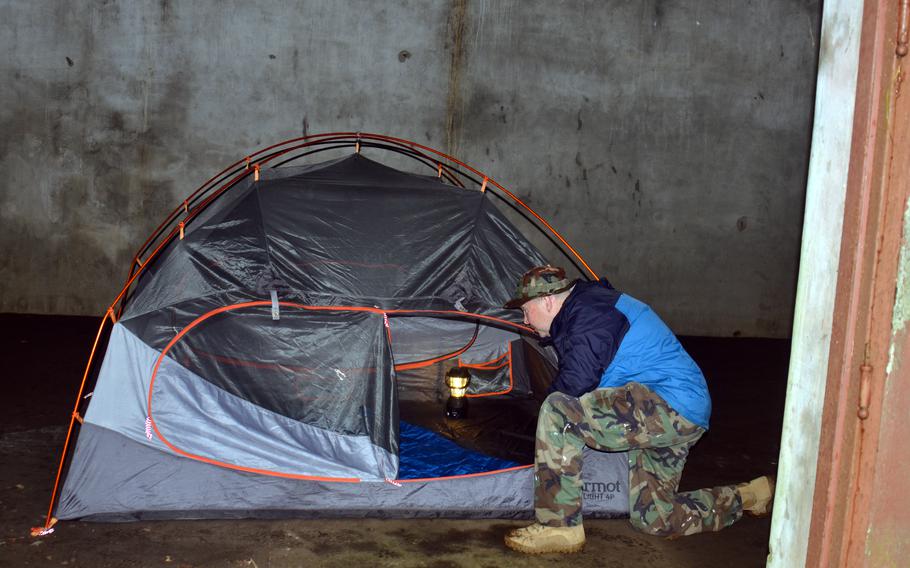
column 457, row 27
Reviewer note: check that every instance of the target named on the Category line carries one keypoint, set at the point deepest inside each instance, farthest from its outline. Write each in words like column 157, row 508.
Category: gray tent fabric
column 353, row 232
column 262, row 361
column 202, row 419
column 188, row 489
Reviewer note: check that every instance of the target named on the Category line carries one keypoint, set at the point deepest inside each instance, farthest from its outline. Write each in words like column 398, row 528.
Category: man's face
column 539, row 314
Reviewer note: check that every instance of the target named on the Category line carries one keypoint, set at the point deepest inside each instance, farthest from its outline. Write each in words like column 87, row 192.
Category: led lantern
column 457, row 379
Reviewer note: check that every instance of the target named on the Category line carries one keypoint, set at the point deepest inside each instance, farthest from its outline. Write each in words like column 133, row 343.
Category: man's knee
column 559, row 401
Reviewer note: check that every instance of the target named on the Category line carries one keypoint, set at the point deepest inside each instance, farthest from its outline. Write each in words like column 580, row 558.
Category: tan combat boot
column 540, row 539
column 757, row 495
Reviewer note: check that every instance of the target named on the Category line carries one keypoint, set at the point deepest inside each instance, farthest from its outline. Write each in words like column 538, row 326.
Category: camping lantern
column 457, row 380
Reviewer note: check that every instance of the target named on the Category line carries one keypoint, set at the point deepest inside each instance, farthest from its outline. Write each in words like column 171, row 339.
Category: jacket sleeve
column 586, row 348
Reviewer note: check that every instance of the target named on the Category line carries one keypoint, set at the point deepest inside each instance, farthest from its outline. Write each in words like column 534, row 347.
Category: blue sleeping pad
column 426, row 454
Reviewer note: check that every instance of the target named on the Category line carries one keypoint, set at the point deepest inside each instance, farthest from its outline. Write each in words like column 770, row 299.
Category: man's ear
column 549, row 302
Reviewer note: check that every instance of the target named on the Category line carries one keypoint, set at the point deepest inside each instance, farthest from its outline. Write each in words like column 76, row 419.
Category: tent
column 281, row 350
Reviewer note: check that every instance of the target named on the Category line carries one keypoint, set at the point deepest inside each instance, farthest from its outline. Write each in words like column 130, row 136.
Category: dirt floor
column 43, row 358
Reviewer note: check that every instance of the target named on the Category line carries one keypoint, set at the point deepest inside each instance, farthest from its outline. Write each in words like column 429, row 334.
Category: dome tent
column 285, row 322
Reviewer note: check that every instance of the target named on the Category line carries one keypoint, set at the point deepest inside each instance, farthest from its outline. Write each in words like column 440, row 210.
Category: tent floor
column 43, row 359
column 503, row 428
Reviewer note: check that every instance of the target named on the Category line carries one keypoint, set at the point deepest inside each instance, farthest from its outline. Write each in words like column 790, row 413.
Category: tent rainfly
column 281, row 344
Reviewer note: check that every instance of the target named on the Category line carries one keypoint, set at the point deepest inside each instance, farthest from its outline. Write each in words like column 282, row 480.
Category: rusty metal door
column 861, row 509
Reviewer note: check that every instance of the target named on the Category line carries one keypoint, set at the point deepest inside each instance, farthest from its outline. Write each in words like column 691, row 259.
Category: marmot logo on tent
column 600, row 491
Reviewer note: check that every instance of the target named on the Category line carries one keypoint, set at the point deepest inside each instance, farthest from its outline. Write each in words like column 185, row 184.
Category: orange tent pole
column 316, row 139
column 73, row 417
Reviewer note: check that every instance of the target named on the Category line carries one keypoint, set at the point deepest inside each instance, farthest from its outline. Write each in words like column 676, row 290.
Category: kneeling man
column 624, row 384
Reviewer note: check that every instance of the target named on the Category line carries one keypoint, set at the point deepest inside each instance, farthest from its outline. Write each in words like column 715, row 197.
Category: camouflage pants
column 658, row 439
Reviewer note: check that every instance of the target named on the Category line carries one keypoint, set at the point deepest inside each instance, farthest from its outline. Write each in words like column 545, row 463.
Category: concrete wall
column 667, row 140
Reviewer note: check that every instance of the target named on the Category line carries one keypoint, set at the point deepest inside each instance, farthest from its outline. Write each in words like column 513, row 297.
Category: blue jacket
column 605, row 338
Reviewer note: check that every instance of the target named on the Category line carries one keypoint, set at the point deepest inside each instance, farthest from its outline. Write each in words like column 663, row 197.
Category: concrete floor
column 43, row 356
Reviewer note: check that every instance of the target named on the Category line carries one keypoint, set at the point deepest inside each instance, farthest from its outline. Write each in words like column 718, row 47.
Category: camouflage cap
column 539, row 281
